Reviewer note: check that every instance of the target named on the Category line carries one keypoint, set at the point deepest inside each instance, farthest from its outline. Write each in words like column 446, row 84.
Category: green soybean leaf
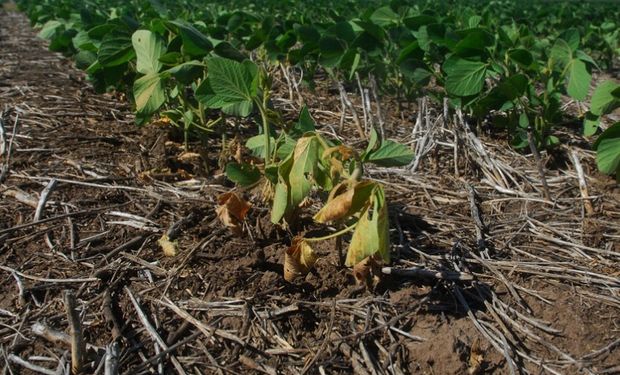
column 391, row 154
column 187, row 72
column 521, row 56
column 49, row 29
column 84, row 59
column 303, row 125
column 285, row 147
column 149, row 48
column 171, row 58
column 195, row 43
column 243, row 174
column 115, row 50
column 590, row 124
column 572, row 38
column 384, row 16
column 305, row 159
column 372, row 143
column 232, row 81
column 281, row 200
column 81, row 41
column 412, row 51
column 561, row 53
column 608, row 150
column 603, row 101
column 578, row 80
column 473, row 43
column 307, row 33
column 332, row 51
column 585, row 58
column 464, row 77
column 240, row 109
column 350, row 62
column 226, row 50
column 474, row 21
column 257, row 146
column 343, row 30
column 100, row 31
column 148, row 93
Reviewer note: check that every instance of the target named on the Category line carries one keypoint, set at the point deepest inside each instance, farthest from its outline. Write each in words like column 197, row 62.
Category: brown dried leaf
column 343, row 204
column 345, row 152
column 367, row 272
column 298, row 259
column 189, row 156
column 232, row 210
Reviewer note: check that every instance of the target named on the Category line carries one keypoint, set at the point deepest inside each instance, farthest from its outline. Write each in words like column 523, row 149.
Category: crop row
column 512, row 63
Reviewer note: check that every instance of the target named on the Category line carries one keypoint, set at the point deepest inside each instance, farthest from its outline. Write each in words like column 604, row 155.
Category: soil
column 547, row 296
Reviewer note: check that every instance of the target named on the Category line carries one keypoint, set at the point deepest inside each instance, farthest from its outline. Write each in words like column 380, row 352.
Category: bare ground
column 546, row 274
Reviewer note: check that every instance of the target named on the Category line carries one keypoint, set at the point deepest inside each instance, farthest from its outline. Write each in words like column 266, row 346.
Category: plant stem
column 267, row 140
column 335, row 234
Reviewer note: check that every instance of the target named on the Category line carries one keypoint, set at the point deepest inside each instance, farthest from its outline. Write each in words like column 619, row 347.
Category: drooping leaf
column 561, row 53
column 391, row 154
column 149, row 48
column 341, row 204
column 115, row 50
column 243, row 174
column 281, row 200
column 195, row 43
column 301, row 177
column 49, row 29
column 371, row 236
column 464, row 77
column 226, row 50
column 372, row 143
column 187, row 72
column 148, row 93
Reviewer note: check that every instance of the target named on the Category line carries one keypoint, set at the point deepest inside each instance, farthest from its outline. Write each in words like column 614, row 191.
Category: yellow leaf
column 371, row 236
column 341, row 205
column 169, row 247
column 298, row 259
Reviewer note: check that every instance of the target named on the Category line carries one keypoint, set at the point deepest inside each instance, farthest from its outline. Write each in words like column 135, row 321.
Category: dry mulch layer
column 491, row 273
